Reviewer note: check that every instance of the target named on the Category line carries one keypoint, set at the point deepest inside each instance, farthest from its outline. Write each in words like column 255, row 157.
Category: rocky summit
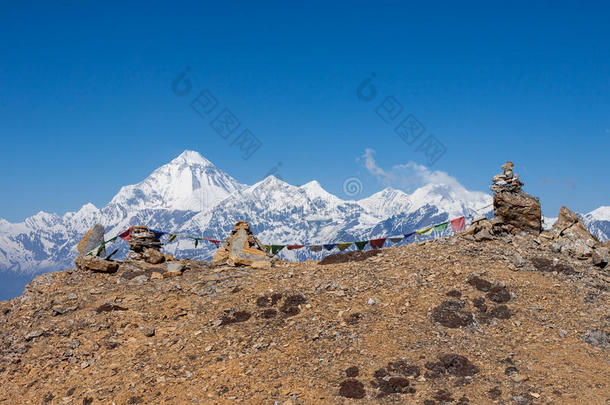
column 504, row 319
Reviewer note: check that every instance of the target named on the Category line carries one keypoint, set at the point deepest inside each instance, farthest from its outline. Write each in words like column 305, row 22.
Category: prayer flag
column 361, row 244
column 158, row 234
column 425, row 231
column 441, row 227
column 172, row 236
column 315, row 248
column 396, row 239
column 276, row 248
column 329, row 246
column 407, row 235
column 458, row 224
column 214, row 241
column 127, row 234
column 343, row 246
column 377, row 243
column 293, row 247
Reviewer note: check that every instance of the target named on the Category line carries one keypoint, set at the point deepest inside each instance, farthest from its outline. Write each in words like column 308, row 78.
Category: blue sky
column 86, row 100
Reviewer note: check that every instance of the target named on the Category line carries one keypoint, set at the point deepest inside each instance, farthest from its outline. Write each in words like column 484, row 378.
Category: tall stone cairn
column 512, row 206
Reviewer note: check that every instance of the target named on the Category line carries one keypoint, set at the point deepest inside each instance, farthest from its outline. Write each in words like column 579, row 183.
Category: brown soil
column 382, row 330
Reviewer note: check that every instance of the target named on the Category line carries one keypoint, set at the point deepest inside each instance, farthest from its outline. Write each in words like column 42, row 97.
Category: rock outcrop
column 569, row 235
column 242, row 248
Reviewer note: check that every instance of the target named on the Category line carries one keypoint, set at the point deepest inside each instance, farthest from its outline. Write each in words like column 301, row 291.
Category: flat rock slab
column 95, row 264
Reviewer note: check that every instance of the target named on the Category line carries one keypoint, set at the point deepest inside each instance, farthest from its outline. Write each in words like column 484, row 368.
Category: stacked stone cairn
column 144, row 245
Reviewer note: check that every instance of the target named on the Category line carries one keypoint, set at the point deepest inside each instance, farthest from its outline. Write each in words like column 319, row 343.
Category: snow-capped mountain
column 191, row 196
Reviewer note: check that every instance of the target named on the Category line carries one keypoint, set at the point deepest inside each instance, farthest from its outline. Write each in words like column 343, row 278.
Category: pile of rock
column 144, row 244
column 242, row 248
column 512, row 207
column 569, row 235
column 506, row 181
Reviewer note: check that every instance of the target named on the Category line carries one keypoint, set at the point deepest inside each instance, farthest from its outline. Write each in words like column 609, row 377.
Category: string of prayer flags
column 441, row 227
column 425, row 231
column 315, row 248
column 329, row 246
column 361, row 244
column 396, row 239
column 377, row 243
column 343, row 246
column 293, row 247
column 458, row 224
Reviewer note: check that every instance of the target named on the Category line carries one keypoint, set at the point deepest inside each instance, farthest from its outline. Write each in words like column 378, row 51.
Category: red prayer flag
column 458, row 224
column 293, row 247
column 214, row 241
column 127, row 234
column 377, row 243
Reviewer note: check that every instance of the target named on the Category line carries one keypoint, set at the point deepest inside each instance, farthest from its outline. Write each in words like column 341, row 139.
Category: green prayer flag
column 441, row 227
column 361, row 244
column 276, row 248
column 267, row 248
column 343, row 246
column 425, row 231
column 196, row 242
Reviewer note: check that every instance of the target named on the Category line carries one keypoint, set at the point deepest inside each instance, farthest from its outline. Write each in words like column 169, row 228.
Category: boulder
column 153, row 256
column 519, row 210
column 96, row 264
column 92, row 239
column 600, row 256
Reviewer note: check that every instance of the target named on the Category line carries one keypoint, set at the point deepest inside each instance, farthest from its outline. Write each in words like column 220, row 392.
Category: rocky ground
column 447, row 321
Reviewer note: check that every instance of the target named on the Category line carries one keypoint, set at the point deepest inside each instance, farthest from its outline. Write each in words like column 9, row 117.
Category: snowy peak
column 191, row 157
column 188, row 183
column 600, row 214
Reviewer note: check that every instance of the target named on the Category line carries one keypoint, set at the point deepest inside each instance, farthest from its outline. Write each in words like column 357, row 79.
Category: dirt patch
column 353, row 319
column 352, row 371
column 269, row 313
column 393, row 385
column 454, row 294
column 498, row 294
column 352, row 389
column 500, row 312
column 547, row 265
column 404, row 368
column 479, row 303
column 355, row 256
column 452, row 315
column 495, row 393
column 443, row 396
column 291, row 304
column 452, row 364
column 230, row 317
column 107, row 307
column 479, row 283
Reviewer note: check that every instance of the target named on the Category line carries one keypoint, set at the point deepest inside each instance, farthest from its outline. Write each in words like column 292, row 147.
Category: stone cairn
column 242, row 248
column 145, row 245
column 515, row 212
column 506, row 181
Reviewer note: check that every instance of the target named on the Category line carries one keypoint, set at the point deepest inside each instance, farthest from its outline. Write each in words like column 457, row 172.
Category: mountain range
column 191, row 196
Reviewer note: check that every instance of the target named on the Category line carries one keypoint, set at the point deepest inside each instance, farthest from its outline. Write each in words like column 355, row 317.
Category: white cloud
column 410, row 175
